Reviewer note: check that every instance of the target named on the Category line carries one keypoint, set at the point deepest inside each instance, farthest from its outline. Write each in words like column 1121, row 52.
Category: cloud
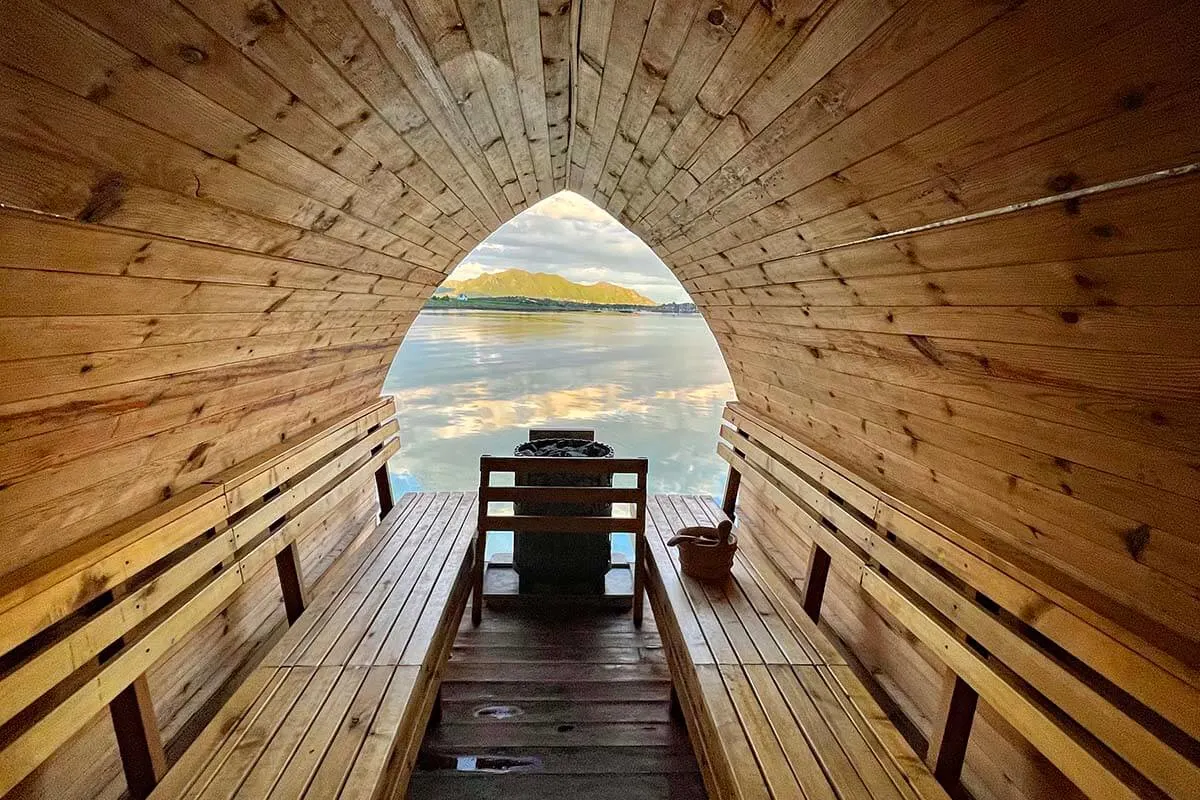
column 571, row 236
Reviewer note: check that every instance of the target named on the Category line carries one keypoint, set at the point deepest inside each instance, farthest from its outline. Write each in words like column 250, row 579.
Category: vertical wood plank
column 951, row 731
column 732, row 484
column 480, row 550
column 814, row 582
column 639, row 567
column 143, row 758
column 142, row 755
column 383, row 487
column 291, row 581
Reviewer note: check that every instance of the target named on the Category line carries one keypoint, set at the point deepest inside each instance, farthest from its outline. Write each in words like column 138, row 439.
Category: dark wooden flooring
column 578, row 695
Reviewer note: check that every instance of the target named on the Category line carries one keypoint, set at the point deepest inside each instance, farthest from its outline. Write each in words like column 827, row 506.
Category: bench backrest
column 81, row 627
column 1119, row 717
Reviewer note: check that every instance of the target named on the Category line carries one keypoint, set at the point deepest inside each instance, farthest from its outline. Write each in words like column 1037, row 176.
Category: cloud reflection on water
column 469, row 383
column 477, row 413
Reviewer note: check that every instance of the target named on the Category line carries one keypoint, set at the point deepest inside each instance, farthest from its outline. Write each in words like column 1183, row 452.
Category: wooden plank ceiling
column 953, row 243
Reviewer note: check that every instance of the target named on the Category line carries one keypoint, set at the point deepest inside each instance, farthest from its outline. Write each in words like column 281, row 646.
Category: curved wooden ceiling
column 952, row 243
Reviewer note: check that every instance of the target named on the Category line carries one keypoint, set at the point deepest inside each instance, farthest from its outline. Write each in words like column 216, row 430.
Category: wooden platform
column 338, row 705
column 564, row 701
column 578, row 694
column 774, row 709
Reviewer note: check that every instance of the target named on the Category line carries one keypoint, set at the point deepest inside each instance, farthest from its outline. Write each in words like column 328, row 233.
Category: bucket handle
column 723, row 532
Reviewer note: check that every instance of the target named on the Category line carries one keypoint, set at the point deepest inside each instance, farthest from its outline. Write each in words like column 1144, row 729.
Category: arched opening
column 947, row 250
column 562, row 317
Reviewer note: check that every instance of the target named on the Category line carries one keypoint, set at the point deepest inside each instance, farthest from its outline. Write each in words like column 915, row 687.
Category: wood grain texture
column 950, row 244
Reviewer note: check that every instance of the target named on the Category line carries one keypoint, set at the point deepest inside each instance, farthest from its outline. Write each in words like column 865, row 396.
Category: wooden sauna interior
column 952, row 246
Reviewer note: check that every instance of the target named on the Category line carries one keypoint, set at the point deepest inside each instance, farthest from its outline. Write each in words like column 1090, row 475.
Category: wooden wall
column 951, row 243
column 191, row 682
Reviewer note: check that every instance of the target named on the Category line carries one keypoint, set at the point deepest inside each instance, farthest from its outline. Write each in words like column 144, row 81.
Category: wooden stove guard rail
column 636, row 525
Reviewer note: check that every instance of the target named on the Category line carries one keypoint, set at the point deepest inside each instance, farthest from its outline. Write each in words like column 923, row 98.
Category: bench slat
column 774, row 765
column 797, row 750
column 717, row 642
column 341, row 756
column 204, row 757
column 559, row 494
column 454, row 577
column 823, row 749
column 376, row 763
column 421, row 595
column 360, row 638
column 896, row 550
column 738, row 762
column 766, row 721
column 906, row 769
column 559, row 524
column 343, row 716
column 290, row 776
column 239, row 759
column 368, row 592
column 744, row 629
column 593, row 466
column 339, row 586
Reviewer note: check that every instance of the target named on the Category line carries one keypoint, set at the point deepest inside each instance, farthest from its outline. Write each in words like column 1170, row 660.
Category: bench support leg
column 383, row 487
column 676, row 706
column 948, row 743
column 477, row 577
column 435, row 716
column 139, row 742
column 639, row 579
column 141, row 747
column 814, row 582
column 641, row 552
column 291, row 581
column 732, row 484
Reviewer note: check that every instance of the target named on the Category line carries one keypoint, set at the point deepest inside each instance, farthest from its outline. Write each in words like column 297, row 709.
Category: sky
column 569, row 235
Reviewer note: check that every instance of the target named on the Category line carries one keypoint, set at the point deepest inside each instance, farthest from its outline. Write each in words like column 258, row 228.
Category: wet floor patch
column 498, row 712
column 496, row 765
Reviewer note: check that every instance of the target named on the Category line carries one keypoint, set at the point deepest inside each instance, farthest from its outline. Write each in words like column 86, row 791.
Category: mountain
column 519, row 283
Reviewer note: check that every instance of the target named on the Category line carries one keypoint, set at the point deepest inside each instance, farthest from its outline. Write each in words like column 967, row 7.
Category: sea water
column 469, row 383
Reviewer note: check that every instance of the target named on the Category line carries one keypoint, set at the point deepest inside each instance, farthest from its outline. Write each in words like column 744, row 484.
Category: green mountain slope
column 519, row 283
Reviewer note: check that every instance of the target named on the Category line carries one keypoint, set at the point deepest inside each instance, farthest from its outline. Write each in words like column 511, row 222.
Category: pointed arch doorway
column 509, row 342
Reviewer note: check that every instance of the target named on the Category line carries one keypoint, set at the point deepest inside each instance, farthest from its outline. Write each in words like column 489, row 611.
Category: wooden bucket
column 706, row 553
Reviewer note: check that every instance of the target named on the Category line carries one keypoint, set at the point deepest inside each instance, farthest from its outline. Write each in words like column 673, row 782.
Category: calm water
column 468, row 383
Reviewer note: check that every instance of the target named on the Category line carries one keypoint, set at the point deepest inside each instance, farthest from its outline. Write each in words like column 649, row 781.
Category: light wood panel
column 951, row 606
column 950, row 243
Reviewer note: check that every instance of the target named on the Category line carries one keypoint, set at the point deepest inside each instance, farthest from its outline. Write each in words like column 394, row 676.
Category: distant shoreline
column 536, row 305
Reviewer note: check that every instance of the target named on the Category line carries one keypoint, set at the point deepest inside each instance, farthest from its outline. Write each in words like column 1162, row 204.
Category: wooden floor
column 578, row 694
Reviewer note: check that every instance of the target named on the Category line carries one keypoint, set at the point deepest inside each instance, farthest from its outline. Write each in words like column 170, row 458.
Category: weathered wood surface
column 590, row 693
column 1008, row 637
column 84, row 627
column 761, row 687
column 339, row 705
column 950, row 243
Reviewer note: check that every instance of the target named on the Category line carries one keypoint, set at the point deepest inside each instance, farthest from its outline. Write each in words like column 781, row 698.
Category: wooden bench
column 1119, row 717
column 772, row 708
column 576, row 525
column 339, row 706
column 79, row 630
